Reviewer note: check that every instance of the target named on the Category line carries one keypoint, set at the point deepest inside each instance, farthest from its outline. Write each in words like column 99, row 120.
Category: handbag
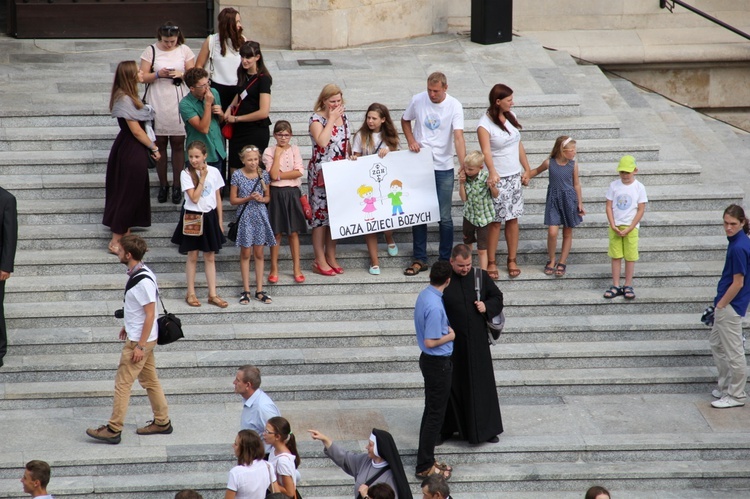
column 306, row 209
column 148, row 85
column 227, row 130
column 271, row 492
column 495, row 324
column 169, row 326
column 192, row 224
column 234, row 226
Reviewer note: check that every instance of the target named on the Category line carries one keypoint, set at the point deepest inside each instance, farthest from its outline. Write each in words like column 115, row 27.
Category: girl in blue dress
column 564, row 202
column 250, row 190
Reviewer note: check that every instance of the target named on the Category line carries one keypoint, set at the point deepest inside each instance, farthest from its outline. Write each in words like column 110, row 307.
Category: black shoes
column 176, row 195
column 163, row 193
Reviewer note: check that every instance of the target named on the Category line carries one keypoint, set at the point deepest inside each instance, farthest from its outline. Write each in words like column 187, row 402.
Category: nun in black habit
column 381, row 464
column 473, row 408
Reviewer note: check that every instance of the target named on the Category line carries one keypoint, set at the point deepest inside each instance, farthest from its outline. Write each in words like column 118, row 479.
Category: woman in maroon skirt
column 127, row 202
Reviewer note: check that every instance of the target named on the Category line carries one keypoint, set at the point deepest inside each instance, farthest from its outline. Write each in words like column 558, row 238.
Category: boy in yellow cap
column 626, row 203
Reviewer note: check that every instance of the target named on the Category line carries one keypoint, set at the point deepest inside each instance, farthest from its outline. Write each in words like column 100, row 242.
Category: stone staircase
column 592, row 391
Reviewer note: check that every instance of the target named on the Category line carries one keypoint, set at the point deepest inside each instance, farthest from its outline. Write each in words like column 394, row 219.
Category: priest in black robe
column 473, row 410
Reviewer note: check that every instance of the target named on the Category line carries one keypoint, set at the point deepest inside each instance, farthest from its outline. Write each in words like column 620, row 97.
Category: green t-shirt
column 190, row 107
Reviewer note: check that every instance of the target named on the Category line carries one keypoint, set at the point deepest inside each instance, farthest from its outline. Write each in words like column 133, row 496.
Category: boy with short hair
column 626, row 203
column 478, row 208
column 35, row 479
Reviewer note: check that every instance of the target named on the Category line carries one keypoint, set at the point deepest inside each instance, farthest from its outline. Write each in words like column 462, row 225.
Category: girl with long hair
column 377, row 135
column 163, row 64
column 127, row 199
column 251, row 105
column 202, row 184
column 284, row 456
column 220, row 55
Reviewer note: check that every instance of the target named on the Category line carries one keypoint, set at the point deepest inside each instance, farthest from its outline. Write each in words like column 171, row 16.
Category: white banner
column 373, row 194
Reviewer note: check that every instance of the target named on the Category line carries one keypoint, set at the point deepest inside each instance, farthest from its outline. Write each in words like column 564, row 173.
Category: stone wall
column 326, row 24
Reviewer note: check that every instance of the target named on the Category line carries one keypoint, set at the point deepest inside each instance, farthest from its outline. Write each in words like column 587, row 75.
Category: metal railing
column 669, row 5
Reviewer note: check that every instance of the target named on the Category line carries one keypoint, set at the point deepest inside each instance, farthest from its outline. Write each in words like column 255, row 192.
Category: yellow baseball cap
column 627, row 164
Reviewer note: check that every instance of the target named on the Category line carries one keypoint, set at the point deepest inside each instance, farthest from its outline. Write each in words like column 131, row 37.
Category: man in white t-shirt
column 137, row 361
column 438, row 123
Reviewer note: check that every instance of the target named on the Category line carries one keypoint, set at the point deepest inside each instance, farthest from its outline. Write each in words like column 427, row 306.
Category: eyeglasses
column 283, row 135
column 202, row 86
column 266, row 432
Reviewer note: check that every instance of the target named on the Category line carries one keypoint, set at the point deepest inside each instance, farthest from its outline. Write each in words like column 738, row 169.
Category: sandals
column 515, row 271
column 244, row 298
column 216, row 300
column 548, row 270
column 613, row 291
column 494, row 274
column 113, row 248
column 415, row 268
column 560, row 269
column 440, row 469
column 192, row 300
column 628, row 292
column 263, row 297
column 445, row 468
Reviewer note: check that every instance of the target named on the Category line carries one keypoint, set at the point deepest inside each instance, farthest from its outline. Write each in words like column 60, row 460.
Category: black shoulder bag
column 374, row 477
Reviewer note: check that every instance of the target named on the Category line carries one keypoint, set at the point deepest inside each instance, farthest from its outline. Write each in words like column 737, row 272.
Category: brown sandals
column 513, row 271
column 216, row 300
column 192, row 300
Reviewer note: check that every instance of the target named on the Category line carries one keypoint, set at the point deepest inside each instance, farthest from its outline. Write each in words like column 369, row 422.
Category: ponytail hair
column 284, row 431
column 736, row 211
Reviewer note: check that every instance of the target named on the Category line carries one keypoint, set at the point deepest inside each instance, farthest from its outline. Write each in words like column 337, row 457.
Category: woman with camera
column 163, row 65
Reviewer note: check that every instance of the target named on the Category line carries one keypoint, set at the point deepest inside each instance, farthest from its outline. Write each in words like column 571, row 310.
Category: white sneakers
column 716, row 393
column 725, row 402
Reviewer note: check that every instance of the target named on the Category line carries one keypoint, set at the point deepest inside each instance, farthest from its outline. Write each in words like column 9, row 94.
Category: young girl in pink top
column 284, row 165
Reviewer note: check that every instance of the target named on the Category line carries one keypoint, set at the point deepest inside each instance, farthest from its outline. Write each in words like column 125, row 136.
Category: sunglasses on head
column 169, row 30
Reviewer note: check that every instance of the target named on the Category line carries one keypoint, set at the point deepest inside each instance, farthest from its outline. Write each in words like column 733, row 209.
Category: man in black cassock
column 473, row 410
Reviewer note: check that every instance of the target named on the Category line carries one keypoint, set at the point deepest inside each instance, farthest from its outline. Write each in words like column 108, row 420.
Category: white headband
column 565, row 142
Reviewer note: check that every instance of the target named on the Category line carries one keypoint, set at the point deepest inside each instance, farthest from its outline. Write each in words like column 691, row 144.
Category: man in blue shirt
column 732, row 298
column 258, row 407
column 435, row 339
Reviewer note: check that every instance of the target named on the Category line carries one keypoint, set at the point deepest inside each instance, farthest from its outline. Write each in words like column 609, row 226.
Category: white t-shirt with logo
column 505, row 146
column 207, row 202
column 434, row 125
column 625, row 200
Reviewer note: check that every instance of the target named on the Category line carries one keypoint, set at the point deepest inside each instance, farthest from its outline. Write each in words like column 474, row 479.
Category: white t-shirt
column 251, row 482
column 505, row 146
column 357, row 145
column 207, row 202
column 434, row 125
column 224, row 67
column 625, row 200
column 136, row 298
column 283, row 464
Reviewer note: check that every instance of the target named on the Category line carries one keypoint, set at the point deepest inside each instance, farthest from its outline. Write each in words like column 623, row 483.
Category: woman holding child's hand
column 505, row 157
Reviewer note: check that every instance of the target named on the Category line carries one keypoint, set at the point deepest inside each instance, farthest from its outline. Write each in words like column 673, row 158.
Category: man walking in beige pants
column 137, row 360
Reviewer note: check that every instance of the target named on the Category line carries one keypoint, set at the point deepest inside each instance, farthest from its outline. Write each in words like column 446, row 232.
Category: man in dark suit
column 8, row 239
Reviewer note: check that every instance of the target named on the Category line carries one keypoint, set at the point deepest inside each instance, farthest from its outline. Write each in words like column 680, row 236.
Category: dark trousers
column 437, row 372
column 3, row 331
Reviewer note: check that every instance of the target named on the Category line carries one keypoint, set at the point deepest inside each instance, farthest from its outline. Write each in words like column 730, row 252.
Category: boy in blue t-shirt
column 732, row 299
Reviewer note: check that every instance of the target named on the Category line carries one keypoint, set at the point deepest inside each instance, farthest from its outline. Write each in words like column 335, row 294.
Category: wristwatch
column 138, row 347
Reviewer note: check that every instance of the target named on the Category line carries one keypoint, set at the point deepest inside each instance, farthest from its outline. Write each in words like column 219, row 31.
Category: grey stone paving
column 591, row 391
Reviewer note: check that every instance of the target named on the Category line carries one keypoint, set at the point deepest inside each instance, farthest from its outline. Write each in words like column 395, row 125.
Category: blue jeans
column 444, row 187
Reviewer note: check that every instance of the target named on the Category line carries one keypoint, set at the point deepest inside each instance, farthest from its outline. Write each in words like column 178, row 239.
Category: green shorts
column 627, row 246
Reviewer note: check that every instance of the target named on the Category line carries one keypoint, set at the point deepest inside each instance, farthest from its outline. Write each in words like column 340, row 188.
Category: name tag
column 243, row 94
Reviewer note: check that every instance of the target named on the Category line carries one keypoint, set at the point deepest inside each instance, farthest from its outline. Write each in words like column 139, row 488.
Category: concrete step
column 342, row 361
column 91, row 137
column 510, row 383
column 352, row 334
